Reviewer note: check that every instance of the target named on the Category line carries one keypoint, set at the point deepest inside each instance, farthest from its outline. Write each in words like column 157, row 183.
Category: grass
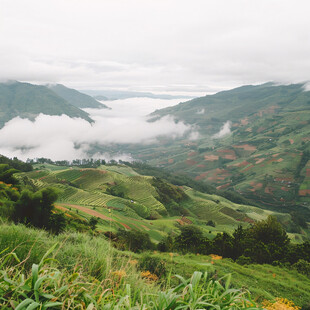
column 265, row 282
column 77, row 271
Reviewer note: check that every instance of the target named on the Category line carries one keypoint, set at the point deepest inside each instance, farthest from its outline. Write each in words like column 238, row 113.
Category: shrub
column 243, row 260
column 153, row 264
column 133, row 240
column 303, row 267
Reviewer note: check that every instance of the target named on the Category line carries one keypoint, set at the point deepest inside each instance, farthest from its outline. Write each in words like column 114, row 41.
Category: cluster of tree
column 303, row 161
column 264, row 242
column 24, row 206
column 84, row 163
column 168, row 193
column 132, row 240
column 16, row 164
column 37, row 208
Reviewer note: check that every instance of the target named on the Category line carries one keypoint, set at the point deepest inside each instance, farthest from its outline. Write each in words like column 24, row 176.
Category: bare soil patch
column 246, row 147
column 211, row 157
column 84, row 209
column 191, row 162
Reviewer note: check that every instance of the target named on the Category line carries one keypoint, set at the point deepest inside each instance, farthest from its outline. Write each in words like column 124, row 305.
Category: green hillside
column 123, row 198
column 211, row 111
column 76, row 98
column 264, row 157
column 111, row 278
column 115, row 206
column 27, row 101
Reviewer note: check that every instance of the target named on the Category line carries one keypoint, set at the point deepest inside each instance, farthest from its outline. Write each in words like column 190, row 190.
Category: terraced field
column 88, row 193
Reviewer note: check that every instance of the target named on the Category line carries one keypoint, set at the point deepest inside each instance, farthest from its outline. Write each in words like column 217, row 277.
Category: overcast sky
column 155, row 45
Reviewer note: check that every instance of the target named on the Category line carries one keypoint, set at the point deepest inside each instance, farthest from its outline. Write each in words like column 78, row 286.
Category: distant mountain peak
column 27, row 101
column 76, row 98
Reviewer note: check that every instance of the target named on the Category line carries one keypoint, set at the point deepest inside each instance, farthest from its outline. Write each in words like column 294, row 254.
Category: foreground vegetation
column 86, row 271
column 70, row 261
column 112, row 286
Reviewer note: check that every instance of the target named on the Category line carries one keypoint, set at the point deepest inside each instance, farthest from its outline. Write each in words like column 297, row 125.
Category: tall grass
column 48, row 287
column 77, row 271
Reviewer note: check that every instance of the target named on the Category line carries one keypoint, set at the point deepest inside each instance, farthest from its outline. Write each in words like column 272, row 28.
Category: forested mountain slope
column 27, row 101
column 76, row 98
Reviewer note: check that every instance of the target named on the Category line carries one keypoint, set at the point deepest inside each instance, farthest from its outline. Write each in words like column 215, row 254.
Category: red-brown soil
column 223, row 186
column 247, row 168
column 191, row 162
column 211, row 157
column 84, row 209
column 304, row 192
column 246, row 147
column 259, row 160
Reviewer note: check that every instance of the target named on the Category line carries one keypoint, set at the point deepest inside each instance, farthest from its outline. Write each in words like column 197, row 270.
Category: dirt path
column 84, row 209
column 62, row 206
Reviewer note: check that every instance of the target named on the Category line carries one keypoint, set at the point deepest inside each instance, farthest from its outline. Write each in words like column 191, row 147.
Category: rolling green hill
column 265, row 157
column 211, row 111
column 76, row 98
column 121, row 197
column 27, row 101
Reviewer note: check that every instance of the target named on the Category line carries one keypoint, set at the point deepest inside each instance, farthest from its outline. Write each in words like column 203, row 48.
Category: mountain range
column 264, row 153
column 122, row 94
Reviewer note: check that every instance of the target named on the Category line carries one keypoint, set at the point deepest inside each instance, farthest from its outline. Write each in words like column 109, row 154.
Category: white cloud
column 224, row 131
column 202, row 111
column 61, row 137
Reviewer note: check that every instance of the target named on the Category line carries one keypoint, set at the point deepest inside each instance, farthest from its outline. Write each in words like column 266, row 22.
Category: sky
column 164, row 46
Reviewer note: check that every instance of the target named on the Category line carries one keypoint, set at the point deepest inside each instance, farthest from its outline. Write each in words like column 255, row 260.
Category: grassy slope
column 98, row 259
column 83, row 193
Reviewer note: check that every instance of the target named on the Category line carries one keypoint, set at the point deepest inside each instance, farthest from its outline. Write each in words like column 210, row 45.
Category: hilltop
column 27, row 101
column 76, row 98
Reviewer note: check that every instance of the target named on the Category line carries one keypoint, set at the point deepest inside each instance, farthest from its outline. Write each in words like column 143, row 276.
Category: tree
column 134, row 240
column 166, row 244
column 191, row 239
column 269, row 241
column 270, row 231
column 57, row 223
column 93, row 222
column 223, row 245
column 6, row 174
column 35, row 208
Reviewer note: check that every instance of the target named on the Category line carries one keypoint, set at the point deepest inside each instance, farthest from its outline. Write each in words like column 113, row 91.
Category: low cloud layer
column 225, row 130
column 61, row 137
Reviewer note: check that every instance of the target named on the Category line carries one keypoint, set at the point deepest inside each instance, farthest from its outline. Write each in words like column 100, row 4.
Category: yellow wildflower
column 280, row 304
column 119, row 273
column 149, row 276
column 215, row 257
